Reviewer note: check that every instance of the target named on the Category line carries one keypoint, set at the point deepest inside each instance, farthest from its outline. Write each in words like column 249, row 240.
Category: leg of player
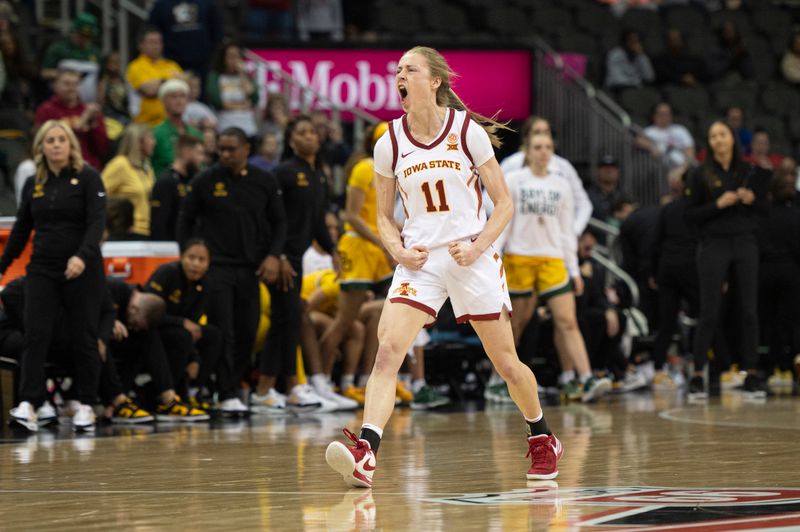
column 569, row 341
column 350, row 302
column 524, row 307
column 543, row 447
column 398, row 327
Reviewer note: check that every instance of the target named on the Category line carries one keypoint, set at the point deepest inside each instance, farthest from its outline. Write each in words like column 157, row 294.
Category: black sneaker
column 697, row 390
column 755, row 388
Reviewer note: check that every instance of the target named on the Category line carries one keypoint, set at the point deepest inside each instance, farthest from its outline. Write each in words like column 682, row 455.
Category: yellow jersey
column 329, row 283
column 362, row 177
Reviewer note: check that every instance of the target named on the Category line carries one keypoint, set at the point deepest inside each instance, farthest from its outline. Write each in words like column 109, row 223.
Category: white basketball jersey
column 438, row 183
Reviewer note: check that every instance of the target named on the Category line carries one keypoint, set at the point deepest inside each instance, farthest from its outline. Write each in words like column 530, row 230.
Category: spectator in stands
column 16, row 61
column 725, row 193
column 172, row 185
column 269, row 18
column 672, row 142
column 604, row 188
column 627, row 65
column 119, row 220
column 734, row 116
column 537, row 125
column 237, row 209
column 86, row 120
column 673, row 275
column 232, row 91
column 334, row 150
column 129, row 175
column 676, row 65
column 305, row 198
column 146, row 74
column 790, row 64
column 269, row 153
column 276, row 116
column 65, row 268
column 779, row 273
column 194, row 347
column 137, row 346
column 760, row 154
column 191, row 30
column 77, row 53
column 320, row 20
column 210, row 148
column 622, row 207
column 730, row 58
column 174, row 94
column 198, row 114
column 112, row 91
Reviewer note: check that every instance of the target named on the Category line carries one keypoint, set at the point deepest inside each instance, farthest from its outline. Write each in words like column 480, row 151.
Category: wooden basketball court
column 637, row 462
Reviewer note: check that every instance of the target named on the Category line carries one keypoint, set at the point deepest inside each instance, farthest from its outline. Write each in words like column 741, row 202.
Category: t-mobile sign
column 487, row 81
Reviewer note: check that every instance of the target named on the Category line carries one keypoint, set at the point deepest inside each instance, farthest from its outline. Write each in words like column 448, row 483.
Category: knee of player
column 566, row 323
column 510, row 369
column 357, row 331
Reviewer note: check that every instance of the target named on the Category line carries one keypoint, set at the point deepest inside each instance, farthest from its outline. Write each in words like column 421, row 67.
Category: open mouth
column 403, row 92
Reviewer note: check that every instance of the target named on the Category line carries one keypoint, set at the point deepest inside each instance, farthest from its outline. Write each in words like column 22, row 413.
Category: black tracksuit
column 186, row 300
column 728, row 250
column 605, row 352
column 779, row 281
column 242, row 219
column 141, row 350
column 13, row 298
column 636, row 241
column 165, row 203
column 675, row 271
column 305, row 198
column 68, row 215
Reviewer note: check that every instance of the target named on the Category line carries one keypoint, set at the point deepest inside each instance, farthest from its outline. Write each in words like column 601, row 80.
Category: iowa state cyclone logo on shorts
column 404, row 290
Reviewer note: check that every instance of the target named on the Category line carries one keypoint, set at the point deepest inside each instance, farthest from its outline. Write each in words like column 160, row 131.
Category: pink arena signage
column 488, row 80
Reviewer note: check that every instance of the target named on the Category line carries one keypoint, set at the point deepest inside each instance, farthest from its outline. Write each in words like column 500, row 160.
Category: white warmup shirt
column 560, row 167
column 543, row 219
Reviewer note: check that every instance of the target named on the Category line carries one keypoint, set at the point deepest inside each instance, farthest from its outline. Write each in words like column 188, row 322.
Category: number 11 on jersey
column 430, row 206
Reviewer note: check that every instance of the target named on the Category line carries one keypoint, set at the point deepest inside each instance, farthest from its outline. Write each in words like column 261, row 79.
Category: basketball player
column 435, row 156
column 542, row 260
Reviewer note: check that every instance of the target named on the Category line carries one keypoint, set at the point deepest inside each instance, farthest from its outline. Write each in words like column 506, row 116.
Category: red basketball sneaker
column 545, row 452
column 356, row 464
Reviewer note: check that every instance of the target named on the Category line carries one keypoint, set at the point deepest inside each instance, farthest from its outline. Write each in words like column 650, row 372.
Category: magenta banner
column 488, row 81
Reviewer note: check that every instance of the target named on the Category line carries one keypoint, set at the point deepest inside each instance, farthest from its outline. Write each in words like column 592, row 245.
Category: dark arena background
column 196, row 262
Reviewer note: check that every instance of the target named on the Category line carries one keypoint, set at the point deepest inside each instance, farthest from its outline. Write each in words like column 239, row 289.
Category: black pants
column 779, row 310
column 676, row 283
column 717, row 259
column 181, row 350
column 142, row 351
column 605, row 352
column 81, row 298
column 280, row 352
column 234, row 308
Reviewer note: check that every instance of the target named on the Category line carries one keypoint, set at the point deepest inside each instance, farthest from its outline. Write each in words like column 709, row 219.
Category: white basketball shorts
column 477, row 291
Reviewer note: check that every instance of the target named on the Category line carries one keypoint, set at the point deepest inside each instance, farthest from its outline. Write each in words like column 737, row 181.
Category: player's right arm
column 414, row 257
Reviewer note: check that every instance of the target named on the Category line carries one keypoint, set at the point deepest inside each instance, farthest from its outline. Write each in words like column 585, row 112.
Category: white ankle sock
column 417, row 385
column 566, row 377
column 348, row 380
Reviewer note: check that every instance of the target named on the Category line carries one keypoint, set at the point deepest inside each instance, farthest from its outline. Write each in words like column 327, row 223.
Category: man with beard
column 171, row 187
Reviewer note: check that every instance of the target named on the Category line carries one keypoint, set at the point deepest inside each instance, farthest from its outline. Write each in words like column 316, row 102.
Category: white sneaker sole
column 182, row 419
column 597, row 392
column 551, row 476
column 83, row 428
column 131, row 421
column 341, row 460
column 25, row 423
column 267, row 411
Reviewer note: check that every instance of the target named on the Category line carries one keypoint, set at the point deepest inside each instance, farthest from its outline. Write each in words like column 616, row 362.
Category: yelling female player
column 435, row 156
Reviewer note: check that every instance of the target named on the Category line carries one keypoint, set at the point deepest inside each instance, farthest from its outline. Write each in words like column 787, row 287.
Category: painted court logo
column 707, row 509
column 404, row 290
